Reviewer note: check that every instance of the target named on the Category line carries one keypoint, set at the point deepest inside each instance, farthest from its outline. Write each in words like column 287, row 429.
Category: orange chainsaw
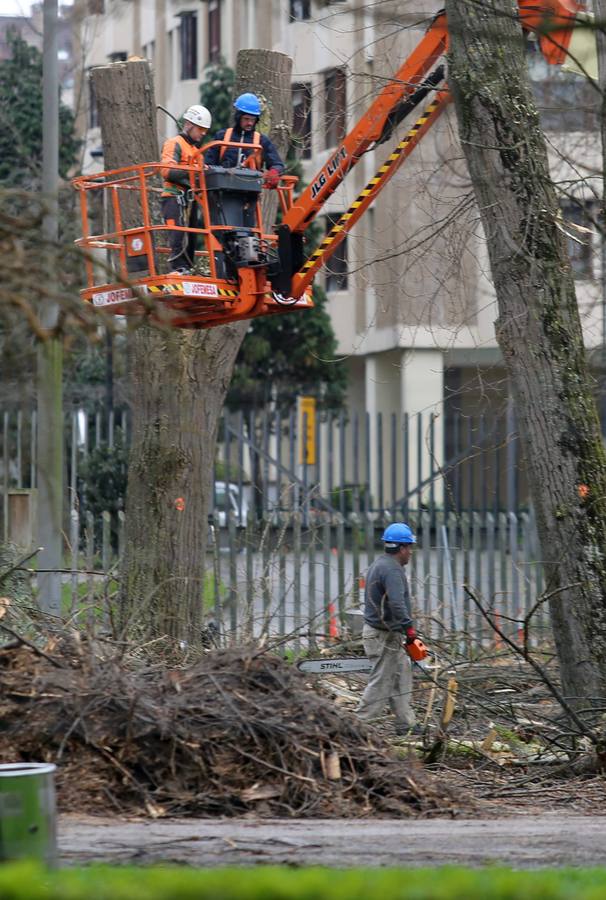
column 416, row 649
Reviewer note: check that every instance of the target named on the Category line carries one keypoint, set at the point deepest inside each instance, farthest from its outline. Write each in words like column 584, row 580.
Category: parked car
column 229, row 497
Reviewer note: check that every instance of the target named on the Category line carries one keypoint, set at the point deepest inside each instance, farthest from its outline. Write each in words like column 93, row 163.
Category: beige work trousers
column 390, row 680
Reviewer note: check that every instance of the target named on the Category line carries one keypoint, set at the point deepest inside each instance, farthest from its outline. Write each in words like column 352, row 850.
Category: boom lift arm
column 244, row 271
column 552, row 20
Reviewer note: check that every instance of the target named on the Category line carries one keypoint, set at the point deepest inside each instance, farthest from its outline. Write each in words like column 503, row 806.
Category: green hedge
column 23, row 881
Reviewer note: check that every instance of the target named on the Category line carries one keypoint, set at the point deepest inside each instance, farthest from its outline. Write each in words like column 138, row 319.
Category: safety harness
column 251, row 161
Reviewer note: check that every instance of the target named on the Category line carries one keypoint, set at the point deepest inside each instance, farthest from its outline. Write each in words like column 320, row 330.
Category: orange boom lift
column 243, row 271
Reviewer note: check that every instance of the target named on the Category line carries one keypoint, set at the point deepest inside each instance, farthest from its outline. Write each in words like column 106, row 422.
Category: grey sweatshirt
column 387, row 599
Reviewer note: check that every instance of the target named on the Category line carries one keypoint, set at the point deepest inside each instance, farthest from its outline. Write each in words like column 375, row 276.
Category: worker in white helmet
column 178, row 206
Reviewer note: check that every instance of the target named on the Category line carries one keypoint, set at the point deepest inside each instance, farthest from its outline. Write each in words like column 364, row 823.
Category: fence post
column 33, row 474
column 105, row 560
column 354, row 521
column 311, row 565
column 455, row 556
column 297, row 578
column 216, row 579
column 466, row 544
column 428, row 601
column 19, row 448
column 505, row 594
column 326, row 530
column 453, row 618
column 250, row 587
column 265, row 557
column 516, row 606
column 490, row 557
column 121, row 534
column 528, row 568
column 342, row 468
column 369, row 529
column 478, row 568
column 281, row 587
column 74, row 538
column 89, row 533
column 233, row 572
column 341, row 568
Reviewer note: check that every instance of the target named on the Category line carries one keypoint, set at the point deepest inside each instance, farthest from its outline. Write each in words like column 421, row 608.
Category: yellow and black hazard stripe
column 177, row 288
column 160, row 288
column 387, row 166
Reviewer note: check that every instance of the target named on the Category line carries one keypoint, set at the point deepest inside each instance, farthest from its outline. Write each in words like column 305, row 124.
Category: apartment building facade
column 29, row 29
column 409, row 292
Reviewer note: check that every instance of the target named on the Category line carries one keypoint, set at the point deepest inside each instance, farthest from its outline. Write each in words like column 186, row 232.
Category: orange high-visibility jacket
column 180, row 150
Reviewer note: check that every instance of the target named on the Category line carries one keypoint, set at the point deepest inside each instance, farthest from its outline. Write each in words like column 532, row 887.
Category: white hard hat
column 198, row 115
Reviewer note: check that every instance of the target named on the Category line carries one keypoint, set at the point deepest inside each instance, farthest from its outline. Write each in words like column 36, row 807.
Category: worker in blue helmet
column 247, row 111
column 387, row 625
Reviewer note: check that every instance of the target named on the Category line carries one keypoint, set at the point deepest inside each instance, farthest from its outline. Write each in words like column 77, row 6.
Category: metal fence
column 392, row 463
column 305, row 583
column 291, row 542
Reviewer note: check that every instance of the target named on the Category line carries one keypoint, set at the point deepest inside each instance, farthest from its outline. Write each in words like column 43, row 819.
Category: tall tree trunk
column 599, row 7
column 179, row 379
column 538, row 329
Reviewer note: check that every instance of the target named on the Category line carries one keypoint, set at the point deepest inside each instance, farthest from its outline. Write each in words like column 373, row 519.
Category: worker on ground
column 248, row 110
column 178, row 203
column 387, row 623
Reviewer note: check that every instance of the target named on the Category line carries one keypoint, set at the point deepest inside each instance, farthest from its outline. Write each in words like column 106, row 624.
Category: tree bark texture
column 179, row 381
column 599, row 7
column 538, row 329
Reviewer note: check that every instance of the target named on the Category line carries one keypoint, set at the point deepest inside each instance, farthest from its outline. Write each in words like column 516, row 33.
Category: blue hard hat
column 248, row 103
column 398, row 533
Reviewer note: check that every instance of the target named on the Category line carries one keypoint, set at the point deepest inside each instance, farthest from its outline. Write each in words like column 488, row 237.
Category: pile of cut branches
column 239, row 731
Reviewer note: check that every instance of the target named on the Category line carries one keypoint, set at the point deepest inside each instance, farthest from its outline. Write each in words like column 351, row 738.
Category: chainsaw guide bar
column 328, row 666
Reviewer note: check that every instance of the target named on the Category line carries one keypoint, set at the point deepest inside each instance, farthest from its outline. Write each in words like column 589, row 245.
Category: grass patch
column 24, row 881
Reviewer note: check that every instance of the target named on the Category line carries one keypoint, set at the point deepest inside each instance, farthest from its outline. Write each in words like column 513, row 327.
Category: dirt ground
column 238, row 759
column 521, row 841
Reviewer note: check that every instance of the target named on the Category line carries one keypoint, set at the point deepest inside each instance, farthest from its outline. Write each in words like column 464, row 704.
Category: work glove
column 411, row 634
column 271, row 178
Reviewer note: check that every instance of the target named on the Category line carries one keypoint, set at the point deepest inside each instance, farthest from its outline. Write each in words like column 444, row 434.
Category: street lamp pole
column 50, row 351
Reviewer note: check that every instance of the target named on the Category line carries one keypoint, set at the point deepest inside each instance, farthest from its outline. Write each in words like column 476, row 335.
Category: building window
column 117, row 56
column 334, row 107
column 93, row 109
column 565, row 101
column 336, row 267
column 188, row 45
column 579, row 224
column 214, row 31
column 301, row 121
column 300, row 10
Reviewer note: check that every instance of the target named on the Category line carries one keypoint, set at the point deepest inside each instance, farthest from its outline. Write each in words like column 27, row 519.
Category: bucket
column 28, row 828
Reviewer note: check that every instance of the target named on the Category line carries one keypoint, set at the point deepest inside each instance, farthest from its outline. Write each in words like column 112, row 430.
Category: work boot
column 404, row 730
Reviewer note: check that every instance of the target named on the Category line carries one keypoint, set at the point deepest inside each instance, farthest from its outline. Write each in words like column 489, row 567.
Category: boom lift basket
column 240, row 271
column 236, row 264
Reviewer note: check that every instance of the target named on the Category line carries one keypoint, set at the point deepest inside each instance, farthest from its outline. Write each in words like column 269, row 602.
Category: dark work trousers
column 390, row 680
column 177, row 211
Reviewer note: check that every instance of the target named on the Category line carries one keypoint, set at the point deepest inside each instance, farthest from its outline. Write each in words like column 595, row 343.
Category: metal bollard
column 28, row 822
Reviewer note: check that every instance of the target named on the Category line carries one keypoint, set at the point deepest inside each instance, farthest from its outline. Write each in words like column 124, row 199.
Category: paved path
column 522, row 842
